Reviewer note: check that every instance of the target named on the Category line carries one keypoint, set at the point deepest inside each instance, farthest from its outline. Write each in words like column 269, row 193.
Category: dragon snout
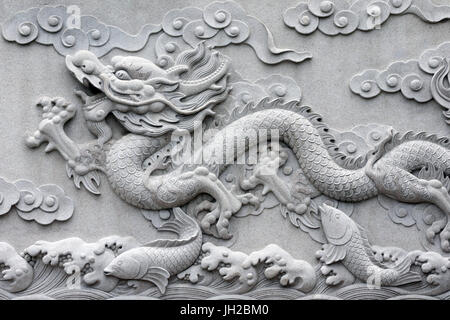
column 86, row 66
column 81, row 58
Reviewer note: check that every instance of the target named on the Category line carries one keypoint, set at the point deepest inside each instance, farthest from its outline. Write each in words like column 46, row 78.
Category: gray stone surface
column 32, row 71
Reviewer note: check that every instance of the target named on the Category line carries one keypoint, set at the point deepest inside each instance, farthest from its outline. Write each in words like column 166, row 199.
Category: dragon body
column 127, row 155
column 151, row 103
column 390, row 174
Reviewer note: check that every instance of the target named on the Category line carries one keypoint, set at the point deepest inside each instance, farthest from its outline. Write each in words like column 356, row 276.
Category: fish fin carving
column 158, row 276
column 406, row 276
column 404, row 265
column 409, row 277
column 367, row 246
column 180, row 221
column 334, row 253
column 181, row 224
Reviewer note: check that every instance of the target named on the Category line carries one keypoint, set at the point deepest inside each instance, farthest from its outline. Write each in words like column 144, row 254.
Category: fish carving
column 348, row 244
column 158, row 260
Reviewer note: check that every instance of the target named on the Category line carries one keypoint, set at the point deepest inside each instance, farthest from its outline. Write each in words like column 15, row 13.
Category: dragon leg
column 82, row 159
column 265, row 173
column 403, row 186
column 227, row 202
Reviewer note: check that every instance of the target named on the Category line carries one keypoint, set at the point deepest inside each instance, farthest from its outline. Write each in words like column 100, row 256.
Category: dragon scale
column 125, row 172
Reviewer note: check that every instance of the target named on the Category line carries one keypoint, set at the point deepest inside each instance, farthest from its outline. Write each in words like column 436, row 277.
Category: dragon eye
column 122, row 75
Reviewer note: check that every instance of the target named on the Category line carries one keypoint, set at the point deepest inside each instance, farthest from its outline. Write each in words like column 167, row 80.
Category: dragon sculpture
column 152, row 103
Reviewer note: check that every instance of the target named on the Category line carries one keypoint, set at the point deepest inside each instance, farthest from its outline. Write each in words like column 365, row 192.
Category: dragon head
column 148, row 99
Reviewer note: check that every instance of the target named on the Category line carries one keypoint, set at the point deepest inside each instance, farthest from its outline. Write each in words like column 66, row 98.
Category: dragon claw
column 56, row 112
column 221, row 219
column 439, row 227
column 433, row 230
column 249, row 198
column 223, row 212
column 227, row 203
column 205, row 205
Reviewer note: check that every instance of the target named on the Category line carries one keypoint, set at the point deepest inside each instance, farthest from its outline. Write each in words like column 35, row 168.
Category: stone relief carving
column 233, row 264
column 103, row 264
column 423, row 80
column 357, row 144
column 68, row 32
column 342, row 17
column 44, row 204
column 16, row 273
column 347, row 243
column 218, row 25
column 314, row 174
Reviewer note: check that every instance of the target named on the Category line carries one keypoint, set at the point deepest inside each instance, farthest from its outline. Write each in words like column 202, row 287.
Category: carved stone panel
column 225, row 150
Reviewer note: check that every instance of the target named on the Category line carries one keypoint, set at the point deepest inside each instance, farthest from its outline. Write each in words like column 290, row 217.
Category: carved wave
column 176, row 292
